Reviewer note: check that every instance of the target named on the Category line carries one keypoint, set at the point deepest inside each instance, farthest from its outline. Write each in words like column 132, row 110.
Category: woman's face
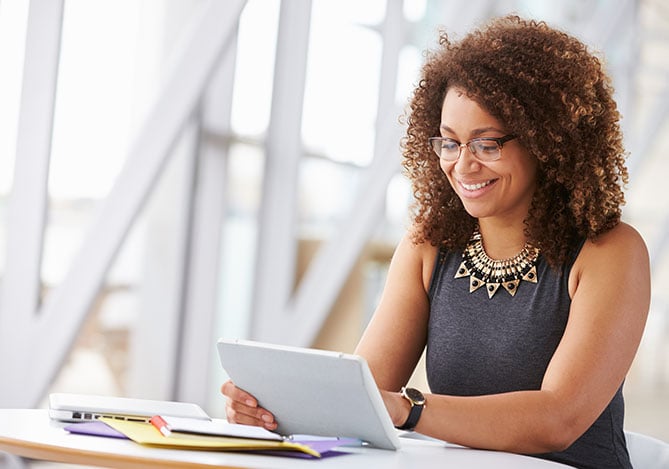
column 502, row 188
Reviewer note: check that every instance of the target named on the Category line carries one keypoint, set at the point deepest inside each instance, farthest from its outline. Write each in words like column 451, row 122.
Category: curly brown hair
column 552, row 93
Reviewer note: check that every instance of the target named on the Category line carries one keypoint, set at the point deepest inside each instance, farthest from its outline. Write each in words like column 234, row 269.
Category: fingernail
column 250, row 403
column 266, row 418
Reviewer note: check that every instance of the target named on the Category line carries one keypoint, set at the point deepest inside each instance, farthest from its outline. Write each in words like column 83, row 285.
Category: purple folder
column 325, row 446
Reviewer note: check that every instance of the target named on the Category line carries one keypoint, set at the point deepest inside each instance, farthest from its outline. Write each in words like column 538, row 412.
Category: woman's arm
column 395, row 337
column 610, row 289
column 392, row 343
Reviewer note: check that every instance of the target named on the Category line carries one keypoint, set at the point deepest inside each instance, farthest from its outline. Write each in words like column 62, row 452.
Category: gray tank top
column 478, row 345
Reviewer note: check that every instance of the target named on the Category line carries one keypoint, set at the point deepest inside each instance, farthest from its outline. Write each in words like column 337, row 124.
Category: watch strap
column 414, row 413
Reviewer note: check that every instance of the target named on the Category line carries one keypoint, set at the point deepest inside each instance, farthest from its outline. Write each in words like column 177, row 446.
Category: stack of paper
column 147, row 434
column 213, row 427
column 213, row 435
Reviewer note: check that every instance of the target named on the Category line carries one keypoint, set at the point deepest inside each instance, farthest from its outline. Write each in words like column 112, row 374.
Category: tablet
column 311, row 391
column 68, row 407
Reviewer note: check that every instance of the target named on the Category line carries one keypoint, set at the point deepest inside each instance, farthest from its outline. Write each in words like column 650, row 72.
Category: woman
column 517, row 274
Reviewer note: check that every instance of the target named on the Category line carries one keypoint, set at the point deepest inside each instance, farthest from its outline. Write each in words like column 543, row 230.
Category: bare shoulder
column 423, row 254
column 616, row 255
column 622, row 241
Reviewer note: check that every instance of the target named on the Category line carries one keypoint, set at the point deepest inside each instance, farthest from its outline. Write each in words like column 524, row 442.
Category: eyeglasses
column 483, row 148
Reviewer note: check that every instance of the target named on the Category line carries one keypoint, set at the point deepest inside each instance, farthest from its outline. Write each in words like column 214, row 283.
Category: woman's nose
column 466, row 162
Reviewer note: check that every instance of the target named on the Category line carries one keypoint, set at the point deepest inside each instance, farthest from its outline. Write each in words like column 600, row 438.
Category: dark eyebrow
column 475, row 132
column 446, row 128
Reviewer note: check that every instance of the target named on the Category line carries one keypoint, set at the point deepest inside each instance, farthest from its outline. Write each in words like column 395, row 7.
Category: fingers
column 233, row 393
column 241, row 407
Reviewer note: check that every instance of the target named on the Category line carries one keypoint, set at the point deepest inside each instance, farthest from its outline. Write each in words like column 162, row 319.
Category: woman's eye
column 486, row 147
column 449, row 145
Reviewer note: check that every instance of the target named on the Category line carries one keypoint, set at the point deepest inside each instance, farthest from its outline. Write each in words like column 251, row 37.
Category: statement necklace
column 482, row 270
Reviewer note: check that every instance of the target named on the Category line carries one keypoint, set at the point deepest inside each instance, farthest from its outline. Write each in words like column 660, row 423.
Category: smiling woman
column 537, row 365
column 505, row 276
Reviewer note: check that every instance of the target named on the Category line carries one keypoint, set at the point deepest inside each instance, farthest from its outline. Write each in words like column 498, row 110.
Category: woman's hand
column 397, row 407
column 241, row 407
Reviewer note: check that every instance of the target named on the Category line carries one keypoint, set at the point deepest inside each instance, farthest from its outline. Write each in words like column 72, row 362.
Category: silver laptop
column 311, row 391
column 69, row 407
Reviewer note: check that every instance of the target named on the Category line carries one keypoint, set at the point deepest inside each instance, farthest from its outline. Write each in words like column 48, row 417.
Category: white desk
column 31, row 434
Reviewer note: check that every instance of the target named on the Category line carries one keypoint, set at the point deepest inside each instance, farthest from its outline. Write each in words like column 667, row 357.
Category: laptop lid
column 71, row 407
column 311, row 391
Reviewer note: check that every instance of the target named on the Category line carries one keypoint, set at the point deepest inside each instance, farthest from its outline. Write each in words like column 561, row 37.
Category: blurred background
column 175, row 171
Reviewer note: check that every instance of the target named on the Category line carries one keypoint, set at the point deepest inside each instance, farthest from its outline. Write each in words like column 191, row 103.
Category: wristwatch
column 417, row 400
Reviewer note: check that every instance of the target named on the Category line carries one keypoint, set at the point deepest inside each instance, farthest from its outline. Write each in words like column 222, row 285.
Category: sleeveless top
column 478, row 345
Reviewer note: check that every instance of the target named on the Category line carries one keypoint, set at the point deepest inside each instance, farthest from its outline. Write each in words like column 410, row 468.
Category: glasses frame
column 500, row 141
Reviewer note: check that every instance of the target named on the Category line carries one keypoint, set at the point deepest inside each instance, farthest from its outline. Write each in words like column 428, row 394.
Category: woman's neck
column 502, row 240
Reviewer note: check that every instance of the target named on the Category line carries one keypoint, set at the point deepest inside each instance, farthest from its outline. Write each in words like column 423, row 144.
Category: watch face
column 415, row 395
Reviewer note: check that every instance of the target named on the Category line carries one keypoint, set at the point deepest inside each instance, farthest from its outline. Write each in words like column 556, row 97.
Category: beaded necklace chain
column 482, row 270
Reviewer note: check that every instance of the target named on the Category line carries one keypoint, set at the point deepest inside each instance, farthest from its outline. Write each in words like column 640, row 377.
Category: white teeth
column 474, row 187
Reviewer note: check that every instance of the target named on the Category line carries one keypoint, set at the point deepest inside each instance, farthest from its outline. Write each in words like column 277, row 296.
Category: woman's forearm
column 522, row 422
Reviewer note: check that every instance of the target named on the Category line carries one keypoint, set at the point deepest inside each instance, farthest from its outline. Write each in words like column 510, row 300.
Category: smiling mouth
column 477, row 186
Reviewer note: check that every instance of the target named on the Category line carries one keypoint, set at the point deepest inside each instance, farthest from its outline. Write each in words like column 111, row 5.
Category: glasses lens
column 446, row 148
column 485, row 149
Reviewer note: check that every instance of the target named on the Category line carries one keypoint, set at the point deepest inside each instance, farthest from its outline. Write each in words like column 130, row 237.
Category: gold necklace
column 482, row 270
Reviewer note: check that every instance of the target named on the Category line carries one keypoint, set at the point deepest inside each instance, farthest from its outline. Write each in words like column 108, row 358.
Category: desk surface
column 31, row 434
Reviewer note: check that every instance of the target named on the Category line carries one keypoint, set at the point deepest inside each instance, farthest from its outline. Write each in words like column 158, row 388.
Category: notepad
column 169, row 425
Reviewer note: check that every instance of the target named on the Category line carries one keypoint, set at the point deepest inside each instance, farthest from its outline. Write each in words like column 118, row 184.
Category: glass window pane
column 254, row 69
column 342, row 80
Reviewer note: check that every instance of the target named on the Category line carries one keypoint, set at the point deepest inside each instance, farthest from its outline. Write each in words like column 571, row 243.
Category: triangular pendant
column 511, row 286
column 475, row 284
column 491, row 288
column 531, row 275
column 463, row 271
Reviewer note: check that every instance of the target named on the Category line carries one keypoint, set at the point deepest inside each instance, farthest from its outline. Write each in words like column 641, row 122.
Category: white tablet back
column 311, row 391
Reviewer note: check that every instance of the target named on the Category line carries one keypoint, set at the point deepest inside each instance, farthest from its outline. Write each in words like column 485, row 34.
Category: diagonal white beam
column 203, row 265
column 655, row 123
column 154, row 342
column 327, row 273
column 393, row 37
column 277, row 243
column 659, row 247
column 607, row 22
column 625, row 76
column 28, row 202
column 67, row 306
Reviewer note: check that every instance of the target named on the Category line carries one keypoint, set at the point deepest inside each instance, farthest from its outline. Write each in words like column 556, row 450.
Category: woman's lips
column 476, row 186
